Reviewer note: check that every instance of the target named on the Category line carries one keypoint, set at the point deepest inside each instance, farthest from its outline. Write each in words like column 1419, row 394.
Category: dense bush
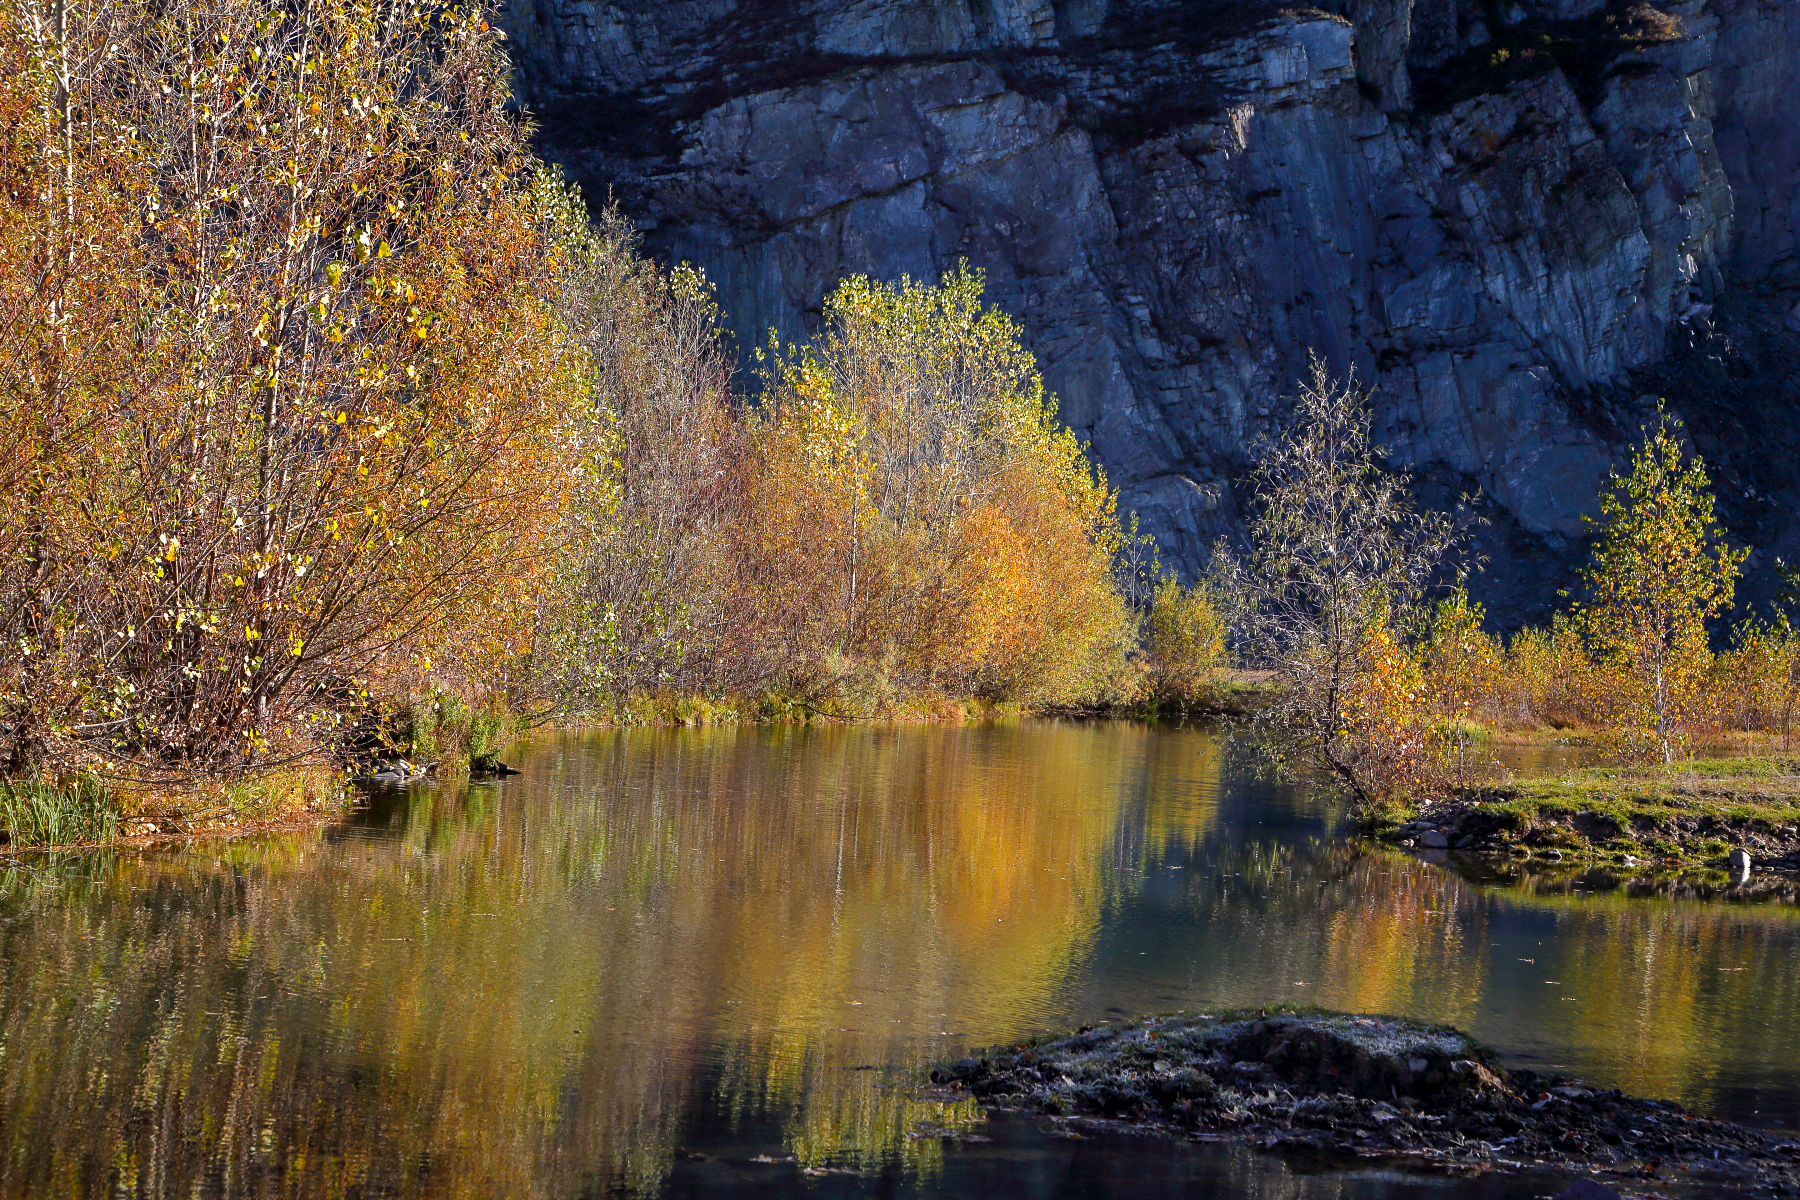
column 1184, row 645
column 912, row 504
column 287, row 398
column 897, row 517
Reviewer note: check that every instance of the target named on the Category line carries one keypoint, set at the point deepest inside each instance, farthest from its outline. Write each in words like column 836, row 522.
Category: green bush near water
column 1185, row 641
column 444, row 726
column 40, row 814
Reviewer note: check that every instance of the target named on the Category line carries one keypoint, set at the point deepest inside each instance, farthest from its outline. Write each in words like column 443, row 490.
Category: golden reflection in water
column 1680, row 999
column 546, row 987
column 1661, row 998
column 520, row 993
column 1398, row 942
column 1179, row 781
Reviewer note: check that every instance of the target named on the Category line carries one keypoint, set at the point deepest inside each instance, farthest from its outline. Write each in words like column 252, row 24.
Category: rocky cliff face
column 1518, row 220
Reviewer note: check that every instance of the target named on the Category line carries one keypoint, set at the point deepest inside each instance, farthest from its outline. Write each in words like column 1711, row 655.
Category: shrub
column 639, row 597
column 1331, row 595
column 912, row 504
column 296, row 424
column 1185, row 644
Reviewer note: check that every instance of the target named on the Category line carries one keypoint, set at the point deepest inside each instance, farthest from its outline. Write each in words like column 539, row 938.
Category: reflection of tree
column 1176, row 786
column 1659, row 1008
column 657, row 926
column 1321, row 921
column 515, row 994
column 1669, row 996
column 1675, row 998
column 1400, row 939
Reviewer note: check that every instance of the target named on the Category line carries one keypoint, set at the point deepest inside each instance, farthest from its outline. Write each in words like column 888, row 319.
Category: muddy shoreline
column 1369, row 1089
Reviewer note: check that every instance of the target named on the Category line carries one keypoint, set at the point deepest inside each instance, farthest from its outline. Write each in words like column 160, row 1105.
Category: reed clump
column 77, row 811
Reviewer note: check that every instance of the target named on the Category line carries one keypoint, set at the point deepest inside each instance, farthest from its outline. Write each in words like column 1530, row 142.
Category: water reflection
column 660, row 956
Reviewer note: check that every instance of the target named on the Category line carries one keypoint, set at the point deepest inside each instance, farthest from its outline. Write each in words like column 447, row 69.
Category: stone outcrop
column 1362, row 1087
column 1516, row 219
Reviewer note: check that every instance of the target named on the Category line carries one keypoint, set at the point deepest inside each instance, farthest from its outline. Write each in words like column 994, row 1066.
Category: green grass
column 1753, row 789
column 1692, row 811
column 39, row 814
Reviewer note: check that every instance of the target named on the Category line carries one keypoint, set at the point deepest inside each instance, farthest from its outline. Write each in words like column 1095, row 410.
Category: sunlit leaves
column 897, row 517
column 1659, row 571
column 920, row 521
column 315, row 392
column 1185, row 641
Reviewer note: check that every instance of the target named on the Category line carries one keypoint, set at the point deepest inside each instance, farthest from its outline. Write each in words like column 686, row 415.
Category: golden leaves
column 917, row 506
column 1659, row 571
column 274, row 361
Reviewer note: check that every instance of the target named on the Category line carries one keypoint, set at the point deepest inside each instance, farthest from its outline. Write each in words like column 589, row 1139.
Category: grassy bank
column 1686, row 813
column 88, row 811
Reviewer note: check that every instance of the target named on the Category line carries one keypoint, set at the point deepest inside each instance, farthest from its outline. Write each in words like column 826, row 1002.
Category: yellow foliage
column 1756, row 684
column 1390, row 728
column 911, row 501
column 1186, row 642
column 1630, row 663
column 288, row 398
column 1658, row 573
column 1461, row 660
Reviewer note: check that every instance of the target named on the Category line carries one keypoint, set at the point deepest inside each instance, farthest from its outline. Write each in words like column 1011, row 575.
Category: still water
column 700, row 963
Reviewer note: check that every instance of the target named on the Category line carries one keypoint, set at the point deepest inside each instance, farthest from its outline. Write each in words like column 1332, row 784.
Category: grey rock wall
column 1509, row 218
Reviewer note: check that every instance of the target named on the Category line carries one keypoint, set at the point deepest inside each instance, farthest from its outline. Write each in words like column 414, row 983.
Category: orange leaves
column 345, row 384
column 913, row 503
column 1392, row 719
column 898, row 517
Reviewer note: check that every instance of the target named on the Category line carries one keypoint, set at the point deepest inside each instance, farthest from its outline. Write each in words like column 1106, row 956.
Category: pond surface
column 699, row 963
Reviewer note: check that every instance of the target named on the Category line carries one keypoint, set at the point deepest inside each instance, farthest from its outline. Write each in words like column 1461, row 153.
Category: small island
column 1371, row 1087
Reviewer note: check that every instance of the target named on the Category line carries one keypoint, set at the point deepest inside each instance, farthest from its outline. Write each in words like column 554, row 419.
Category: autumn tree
column 640, row 591
column 915, row 510
column 1330, row 596
column 1659, row 571
column 286, row 395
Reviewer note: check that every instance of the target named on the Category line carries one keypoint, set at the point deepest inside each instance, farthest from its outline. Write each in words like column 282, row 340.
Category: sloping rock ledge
column 1371, row 1087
